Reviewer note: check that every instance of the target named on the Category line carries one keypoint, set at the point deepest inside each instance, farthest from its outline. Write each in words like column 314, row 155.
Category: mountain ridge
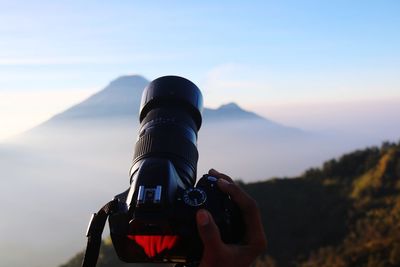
column 122, row 96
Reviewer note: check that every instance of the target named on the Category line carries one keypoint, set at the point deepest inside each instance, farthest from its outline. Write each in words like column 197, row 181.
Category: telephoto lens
column 170, row 117
column 151, row 225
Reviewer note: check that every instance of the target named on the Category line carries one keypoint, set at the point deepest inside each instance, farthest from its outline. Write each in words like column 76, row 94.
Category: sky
column 293, row 61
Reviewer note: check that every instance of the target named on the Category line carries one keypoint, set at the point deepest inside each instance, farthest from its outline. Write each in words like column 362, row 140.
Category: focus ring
column 160, row 144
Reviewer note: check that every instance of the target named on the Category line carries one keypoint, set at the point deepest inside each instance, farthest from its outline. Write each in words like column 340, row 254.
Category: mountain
column 343, row 214
column 120, row 98
column 119, row 102
column 230, row 111
column 111, row 117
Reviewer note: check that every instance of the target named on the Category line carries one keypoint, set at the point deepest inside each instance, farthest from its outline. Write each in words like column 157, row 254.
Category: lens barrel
column 170, row 117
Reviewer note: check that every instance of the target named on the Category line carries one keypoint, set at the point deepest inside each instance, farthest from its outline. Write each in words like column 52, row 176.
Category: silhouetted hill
column 229, row 111
column 120, row 98
column 346, row 213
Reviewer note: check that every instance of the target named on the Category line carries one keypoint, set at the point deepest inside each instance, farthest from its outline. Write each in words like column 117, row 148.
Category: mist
column 52, row 182
column 375, row 119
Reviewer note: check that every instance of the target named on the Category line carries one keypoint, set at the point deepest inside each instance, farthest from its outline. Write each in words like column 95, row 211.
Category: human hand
column 216, row 252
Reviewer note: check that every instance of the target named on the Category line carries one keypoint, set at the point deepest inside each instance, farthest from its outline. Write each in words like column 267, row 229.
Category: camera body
column 154, row 220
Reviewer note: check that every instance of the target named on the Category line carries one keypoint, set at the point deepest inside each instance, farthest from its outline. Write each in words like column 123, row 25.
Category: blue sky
column 258, row 53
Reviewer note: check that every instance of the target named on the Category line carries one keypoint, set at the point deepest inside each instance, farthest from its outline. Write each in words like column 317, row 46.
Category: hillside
column 346, row 213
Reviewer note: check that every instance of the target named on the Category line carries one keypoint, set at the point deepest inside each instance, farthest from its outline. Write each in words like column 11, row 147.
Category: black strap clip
column 94, row 232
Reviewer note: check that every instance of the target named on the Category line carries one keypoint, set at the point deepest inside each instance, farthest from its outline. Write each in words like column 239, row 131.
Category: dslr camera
column 154, row 220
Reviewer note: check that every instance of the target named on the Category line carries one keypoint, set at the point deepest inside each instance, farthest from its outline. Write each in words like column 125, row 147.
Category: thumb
column 208, row 231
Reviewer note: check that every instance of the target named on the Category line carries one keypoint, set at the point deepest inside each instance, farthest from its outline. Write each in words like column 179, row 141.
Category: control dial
column 194, row 197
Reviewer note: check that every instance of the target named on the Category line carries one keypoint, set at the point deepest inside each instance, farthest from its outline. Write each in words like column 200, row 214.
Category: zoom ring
column 162, row 144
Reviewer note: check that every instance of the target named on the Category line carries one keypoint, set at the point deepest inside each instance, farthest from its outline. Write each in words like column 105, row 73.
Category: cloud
column 235, row 82
column 257, row 86
column 79, row 60
column 20, row 111
column 31, row 61
column 234, row 76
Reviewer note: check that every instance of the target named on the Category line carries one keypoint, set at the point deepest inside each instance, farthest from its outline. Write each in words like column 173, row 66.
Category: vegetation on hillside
column 346, row 213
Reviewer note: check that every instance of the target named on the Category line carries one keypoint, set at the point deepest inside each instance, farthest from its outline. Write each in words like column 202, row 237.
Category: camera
column 154, row 220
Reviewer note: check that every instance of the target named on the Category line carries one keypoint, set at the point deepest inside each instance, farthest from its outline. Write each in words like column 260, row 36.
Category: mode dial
column 194, row 197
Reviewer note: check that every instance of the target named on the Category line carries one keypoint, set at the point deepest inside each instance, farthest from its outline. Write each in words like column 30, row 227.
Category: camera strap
column 94, row 232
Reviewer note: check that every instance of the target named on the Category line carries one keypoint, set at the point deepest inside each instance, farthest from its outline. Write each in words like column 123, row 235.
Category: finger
column 254, row 229
column 208, row 231
column 217, row 174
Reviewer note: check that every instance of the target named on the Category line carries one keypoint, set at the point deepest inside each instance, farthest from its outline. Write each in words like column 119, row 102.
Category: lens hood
column 172, row 91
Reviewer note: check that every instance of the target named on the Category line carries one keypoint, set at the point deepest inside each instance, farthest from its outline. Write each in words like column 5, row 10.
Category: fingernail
column 213, row 171
column 223, row 181
column 202, row 218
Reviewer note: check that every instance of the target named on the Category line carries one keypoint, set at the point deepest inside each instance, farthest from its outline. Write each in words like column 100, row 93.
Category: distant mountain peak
column 229, row 111
column 121, row 97
column 131, row 81
column 230, row 106
column 233, row 112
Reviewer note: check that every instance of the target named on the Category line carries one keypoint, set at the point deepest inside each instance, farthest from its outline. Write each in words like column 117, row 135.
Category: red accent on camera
column 154, row 245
